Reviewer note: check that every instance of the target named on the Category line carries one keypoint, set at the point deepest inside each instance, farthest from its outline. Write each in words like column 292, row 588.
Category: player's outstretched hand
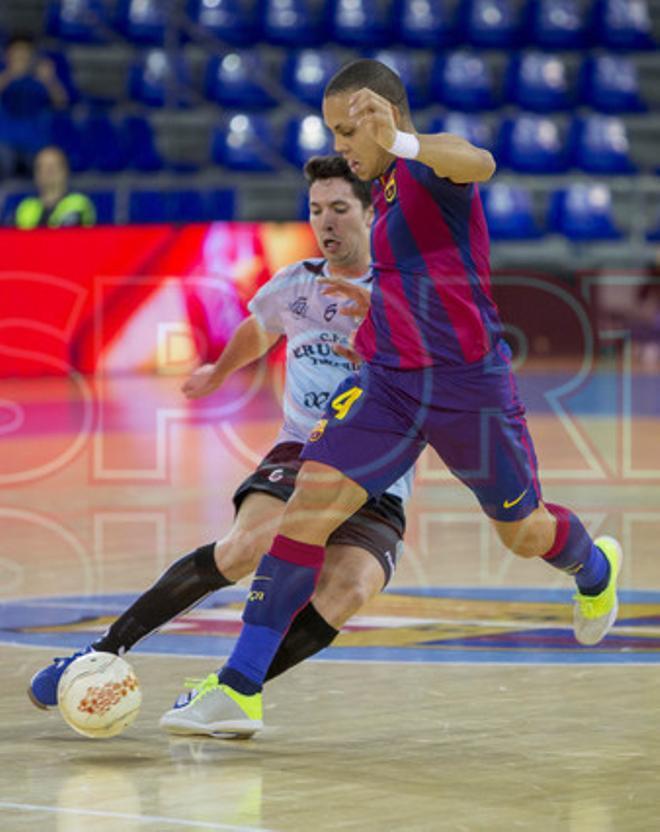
column 375, row 114
column 347, row 352
column 201, row 383
column 359, row 297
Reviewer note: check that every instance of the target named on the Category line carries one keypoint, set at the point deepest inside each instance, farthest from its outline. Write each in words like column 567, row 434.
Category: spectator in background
column 29, row 92
column 55, row 206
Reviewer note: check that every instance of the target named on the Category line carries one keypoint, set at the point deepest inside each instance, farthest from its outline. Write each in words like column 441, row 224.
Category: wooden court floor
column 457, row 701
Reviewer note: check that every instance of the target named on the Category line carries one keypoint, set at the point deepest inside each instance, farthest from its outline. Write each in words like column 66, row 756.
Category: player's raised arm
column 249, row 342
column 448, row 155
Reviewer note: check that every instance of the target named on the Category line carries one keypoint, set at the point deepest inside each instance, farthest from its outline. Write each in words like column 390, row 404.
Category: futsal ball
column 99, row 695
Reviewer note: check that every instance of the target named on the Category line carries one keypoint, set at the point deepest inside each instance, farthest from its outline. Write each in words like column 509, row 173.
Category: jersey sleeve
column 452, row 195
column 268, row 303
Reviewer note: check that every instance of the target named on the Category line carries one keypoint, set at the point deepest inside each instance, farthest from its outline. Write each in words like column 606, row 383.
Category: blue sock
column 574, row 552
column 283, row 584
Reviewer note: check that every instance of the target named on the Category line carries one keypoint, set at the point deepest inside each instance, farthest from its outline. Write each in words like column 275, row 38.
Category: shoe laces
column 200, row 687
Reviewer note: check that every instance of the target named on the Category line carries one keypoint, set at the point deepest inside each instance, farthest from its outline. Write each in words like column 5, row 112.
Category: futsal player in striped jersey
column 436, row 372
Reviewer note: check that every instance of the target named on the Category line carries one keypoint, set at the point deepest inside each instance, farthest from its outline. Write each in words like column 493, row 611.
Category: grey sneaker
column 594, row 615
column 214, row 710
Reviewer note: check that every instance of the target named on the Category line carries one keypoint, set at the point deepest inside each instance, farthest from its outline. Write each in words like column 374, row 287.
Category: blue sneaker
column 43, row 687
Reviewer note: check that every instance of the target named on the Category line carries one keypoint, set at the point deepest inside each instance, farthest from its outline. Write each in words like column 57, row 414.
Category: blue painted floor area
column 534, row 637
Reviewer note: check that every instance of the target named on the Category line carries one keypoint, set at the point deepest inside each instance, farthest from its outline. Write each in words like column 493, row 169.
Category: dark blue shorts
column 379, row 421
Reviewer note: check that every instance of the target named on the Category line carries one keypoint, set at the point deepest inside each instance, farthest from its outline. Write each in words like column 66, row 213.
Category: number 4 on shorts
column 342, row 403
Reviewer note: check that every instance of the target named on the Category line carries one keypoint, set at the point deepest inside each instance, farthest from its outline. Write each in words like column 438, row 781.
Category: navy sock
column 284, row 582
column 574, row 552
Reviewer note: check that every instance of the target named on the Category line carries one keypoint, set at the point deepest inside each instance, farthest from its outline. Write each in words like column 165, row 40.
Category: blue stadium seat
column 137, row 137
column 492, row 24
column 470, row 126
column 166, row 206
column 609, row 83
column 142, row 21
column 600, row 145
column 406, row 68
column 427, row 24
column 537, row 81
column 293, row 23
column 463, row 81
column 158, row 80
column 509, row 213
column 246, row 144
column 623, row 24
column 362, row 23
column 107, row 153
column 221, row 204
column 558, row 24
column 306, row 74
column 78, row 21
column 233, row 80
column 653, row 234
column 233, row 21
column 65, row 133
column 104, row 203
column 532, row 144
column 583, row 212
column 305, row 137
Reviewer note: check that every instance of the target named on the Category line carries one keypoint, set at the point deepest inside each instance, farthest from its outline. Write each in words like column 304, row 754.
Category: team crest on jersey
column 299, row 307
column 390, row 187
column 330, row 312
column 318, row 430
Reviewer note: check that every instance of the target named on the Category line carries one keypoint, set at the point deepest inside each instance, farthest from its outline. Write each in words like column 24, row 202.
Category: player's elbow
column 486, row 166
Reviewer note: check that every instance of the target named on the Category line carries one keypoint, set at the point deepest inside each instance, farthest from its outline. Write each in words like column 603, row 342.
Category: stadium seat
column 463, row 81
column 407, row 69
column 292, row 23
column 609, row 83
column 66, row 134
column 532, row 144
column 558, row 24
column 221, row 204
column 306, row 74
column 537, row 81
column 233, row 21
column 305, row 137
column 362, row 23
column 106, row 149
column 509, row 213
column 104, row 204
column 427, row 24
column 583, row 212
column 492, row 24
column 78, row 21
column 623, row 24
column 600, row 145
column 166, row 206
column 143, row 22
column 246, row 144
column 653, row 234
column 233, row 80
column 158, row 80
column 138, row 140
column 470, row 126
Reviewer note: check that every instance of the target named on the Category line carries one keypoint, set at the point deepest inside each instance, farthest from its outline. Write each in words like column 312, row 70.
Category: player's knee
column 237, row 555
column 340, row 597
column 527, row 538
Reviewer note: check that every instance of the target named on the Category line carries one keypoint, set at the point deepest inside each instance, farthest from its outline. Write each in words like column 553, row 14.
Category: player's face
column 366, row 158
column 50, row 171
column 340, row 222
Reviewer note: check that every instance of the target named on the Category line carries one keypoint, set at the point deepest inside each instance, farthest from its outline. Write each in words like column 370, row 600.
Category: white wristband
column 406, row 145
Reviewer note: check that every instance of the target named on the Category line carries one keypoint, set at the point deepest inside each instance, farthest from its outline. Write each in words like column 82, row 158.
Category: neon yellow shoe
column 214, row 710
column 594, row 615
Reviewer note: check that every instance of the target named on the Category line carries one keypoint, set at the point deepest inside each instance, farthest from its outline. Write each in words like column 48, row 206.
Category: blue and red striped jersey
column 431, row 301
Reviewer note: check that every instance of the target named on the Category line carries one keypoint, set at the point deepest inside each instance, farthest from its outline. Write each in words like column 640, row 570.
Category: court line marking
column 197, row 824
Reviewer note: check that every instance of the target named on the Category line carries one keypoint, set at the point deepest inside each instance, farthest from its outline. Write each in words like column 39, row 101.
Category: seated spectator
column 55, row 206
column 29, row 91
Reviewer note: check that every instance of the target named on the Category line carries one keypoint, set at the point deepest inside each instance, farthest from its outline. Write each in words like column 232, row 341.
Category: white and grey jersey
column 291, row 304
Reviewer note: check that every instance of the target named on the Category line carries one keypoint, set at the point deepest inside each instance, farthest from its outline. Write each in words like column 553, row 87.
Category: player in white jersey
column 363, row 551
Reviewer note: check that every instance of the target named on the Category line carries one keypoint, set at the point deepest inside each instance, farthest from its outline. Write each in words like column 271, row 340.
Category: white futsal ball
column 99, row 695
